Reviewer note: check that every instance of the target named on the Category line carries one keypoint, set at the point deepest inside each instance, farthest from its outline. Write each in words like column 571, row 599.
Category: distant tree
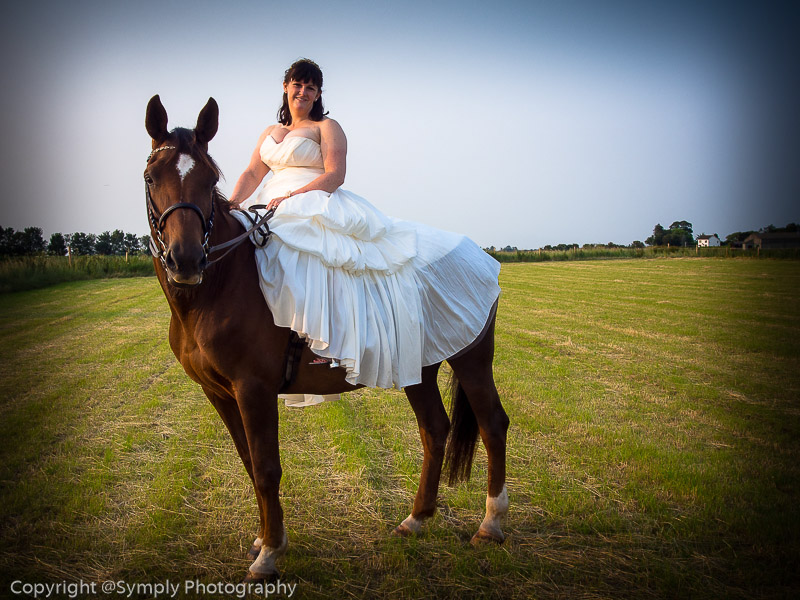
column 7, row 241
column 685, row 225
column 790, row 228
column 83, row 243
column 658, row 236
column 34, row 240
column 103, row 243
column 110, row 244
column 118, row 242
column 737, row 237
column 131, row 244
column 18, row 243
column 678, row 234
column 637, row 244
column 144, row 242
column 57, row 245
column 678, row 237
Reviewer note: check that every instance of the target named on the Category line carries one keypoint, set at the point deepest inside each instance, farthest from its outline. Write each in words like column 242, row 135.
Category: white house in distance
column 707, row 240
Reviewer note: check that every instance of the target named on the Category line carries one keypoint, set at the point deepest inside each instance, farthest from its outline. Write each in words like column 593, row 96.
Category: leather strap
column 293, row 352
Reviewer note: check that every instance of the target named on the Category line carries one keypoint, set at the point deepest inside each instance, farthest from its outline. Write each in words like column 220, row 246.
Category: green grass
column 652, row 453
column 601, row 253
column 33, row 272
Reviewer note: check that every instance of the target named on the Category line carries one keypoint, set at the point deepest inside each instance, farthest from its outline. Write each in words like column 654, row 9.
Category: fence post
column 69, row 255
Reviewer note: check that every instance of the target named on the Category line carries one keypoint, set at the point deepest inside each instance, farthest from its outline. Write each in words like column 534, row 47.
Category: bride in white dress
column 380, row 296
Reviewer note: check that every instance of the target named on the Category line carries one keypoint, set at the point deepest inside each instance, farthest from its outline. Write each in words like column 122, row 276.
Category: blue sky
column 516, row 123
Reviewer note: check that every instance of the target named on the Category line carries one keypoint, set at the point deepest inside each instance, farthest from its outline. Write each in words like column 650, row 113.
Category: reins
column 259, row 225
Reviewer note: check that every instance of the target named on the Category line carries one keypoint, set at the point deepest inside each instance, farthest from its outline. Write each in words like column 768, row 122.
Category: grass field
column 33, row 272
column 653, row 449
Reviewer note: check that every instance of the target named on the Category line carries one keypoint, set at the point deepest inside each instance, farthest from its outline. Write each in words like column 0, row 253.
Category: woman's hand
column 273, row 204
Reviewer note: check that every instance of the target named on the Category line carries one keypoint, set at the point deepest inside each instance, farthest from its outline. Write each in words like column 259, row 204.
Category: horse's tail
column 462, row 437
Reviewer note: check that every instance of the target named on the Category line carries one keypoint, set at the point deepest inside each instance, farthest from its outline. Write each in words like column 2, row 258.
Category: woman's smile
column 301, row 93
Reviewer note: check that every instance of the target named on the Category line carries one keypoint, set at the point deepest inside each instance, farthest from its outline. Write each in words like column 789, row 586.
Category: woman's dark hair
column 302, row 71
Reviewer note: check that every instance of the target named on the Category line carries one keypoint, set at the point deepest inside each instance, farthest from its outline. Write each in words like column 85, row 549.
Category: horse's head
column 180, row 181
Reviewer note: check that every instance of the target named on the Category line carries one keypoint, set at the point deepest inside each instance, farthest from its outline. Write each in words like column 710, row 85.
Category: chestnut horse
column 224, row 335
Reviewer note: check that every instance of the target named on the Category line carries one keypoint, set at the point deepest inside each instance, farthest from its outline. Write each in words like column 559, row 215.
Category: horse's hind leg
column 433, row 424
column 474, row 372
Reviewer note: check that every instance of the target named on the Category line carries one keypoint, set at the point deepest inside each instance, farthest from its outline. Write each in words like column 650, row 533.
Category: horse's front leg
column 258, row 407
column 228, row 410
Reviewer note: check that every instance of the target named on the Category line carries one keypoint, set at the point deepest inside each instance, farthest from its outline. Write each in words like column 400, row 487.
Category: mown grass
column 33, row 272
column 652, row 453
column 601, row 253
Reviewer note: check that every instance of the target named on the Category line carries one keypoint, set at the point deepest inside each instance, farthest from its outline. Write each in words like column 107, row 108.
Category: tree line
column 30, row 242
column 680, row 234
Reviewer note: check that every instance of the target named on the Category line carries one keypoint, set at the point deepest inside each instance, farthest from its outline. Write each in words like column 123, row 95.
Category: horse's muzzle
column 185, row 266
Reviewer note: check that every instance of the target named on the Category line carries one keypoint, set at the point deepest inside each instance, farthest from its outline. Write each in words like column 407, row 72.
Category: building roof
column 707, row 237
column 780, row 235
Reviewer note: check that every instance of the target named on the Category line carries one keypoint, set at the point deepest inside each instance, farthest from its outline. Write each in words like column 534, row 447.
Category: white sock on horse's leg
column 265, row 565
column 496, row 509
column 412, row 524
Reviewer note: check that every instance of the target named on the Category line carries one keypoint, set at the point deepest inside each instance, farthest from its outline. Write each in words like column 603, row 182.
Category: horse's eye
column 147, row 179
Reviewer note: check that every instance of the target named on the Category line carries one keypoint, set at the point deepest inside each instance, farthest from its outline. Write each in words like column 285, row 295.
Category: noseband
column 157, row 224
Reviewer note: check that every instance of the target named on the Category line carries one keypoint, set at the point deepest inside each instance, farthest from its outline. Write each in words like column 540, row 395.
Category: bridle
column 158, row 222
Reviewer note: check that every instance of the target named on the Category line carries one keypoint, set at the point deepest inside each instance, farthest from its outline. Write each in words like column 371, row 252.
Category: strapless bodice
column 293, row 151
column 293, row 163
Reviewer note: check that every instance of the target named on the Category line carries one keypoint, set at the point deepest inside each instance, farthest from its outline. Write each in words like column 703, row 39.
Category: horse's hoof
column 261, row 577
column 410, row 526
column 484, row 537
column 402, row 531
column 252, row 554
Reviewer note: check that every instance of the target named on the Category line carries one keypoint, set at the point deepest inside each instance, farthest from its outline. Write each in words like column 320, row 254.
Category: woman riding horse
column 389, row 300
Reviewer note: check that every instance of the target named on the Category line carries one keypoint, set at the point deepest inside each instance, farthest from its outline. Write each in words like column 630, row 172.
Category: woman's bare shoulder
column 330, row 127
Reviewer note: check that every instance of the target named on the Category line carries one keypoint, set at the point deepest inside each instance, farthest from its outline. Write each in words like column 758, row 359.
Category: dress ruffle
column 385, row 297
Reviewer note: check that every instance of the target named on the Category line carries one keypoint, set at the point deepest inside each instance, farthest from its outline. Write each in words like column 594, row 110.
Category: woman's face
column 301, row 95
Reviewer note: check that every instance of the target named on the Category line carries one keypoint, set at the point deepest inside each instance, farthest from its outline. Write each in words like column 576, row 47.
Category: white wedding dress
column 382, row 296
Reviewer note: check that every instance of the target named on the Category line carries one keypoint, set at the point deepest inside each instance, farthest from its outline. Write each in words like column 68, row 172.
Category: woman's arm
column 253, row 175
column 333, row 144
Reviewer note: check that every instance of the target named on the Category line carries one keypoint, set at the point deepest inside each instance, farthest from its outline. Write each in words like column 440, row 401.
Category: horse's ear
column 156, row 120
column 207, row 123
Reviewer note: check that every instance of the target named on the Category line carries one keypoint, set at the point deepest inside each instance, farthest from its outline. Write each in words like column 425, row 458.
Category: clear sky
column 521, row 123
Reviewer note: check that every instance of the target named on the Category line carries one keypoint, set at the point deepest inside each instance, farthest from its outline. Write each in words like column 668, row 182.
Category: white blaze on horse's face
column 185, row 164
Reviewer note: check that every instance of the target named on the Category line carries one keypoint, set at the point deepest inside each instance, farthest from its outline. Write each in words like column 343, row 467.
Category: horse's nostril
column 170, row 261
